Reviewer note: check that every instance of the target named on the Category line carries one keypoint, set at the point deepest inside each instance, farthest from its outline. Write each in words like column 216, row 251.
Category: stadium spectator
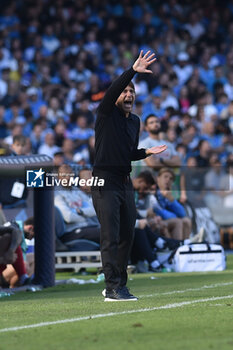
column 169, row 157
column 145, row 187
column 36, row 137
column 16, row 129
column 228, row 86
column 13, row 192
column 49, row 147
column 183, row 69
column 194, row 182
column 219, row 184
column 58, row 159
column 35, row 101
column 204, row 151
column 11, row 253
column 214, row 181
column 167, row 206
column 18, row 145
column 76, row 209
column 194, row 26
column 3, row 125
column 227, row 116
column 2, row 217
column 54, row 111
column 154, row 105
column 151, row 232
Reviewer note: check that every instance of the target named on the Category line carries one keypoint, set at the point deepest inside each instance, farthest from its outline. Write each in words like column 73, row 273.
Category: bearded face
column 153, row 125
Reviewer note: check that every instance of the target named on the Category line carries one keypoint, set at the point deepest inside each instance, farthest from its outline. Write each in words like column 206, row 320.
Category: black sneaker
column 126, row 291
column 119, row 294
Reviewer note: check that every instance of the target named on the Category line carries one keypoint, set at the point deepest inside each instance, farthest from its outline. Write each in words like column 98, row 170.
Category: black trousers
column 92, row 233
column 115, row 208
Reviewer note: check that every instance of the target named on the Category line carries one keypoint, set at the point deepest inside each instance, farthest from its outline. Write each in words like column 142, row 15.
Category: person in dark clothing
column 13, row 192
column 117, row 134
column 145, row 245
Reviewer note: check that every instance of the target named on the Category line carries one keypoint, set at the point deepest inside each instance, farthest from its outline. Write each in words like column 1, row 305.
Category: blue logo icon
column 35, row 178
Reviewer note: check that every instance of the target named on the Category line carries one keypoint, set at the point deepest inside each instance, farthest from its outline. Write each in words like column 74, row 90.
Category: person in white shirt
column 48, row 147
column 76, row 208
column 194, row 27
column 183, row 69
column 228, row 87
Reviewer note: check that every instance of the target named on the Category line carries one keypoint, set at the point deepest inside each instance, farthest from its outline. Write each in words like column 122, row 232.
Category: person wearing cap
column 183, row 69
column 35, row 101
column 116, row 145
column 154, row 106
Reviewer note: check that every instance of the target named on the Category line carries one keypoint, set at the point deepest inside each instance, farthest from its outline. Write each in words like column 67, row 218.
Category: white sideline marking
column 70, row 320
column 188, row 290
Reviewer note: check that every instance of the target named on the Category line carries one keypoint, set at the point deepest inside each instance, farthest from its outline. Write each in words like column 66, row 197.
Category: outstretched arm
column 142, row 153
column 116, row 88
column 142, row 62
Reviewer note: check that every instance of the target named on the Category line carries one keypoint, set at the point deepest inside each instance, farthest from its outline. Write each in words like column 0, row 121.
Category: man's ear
column 31, row 227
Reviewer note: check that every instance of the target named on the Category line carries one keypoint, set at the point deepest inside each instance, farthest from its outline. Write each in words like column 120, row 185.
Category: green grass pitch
column 174, row 311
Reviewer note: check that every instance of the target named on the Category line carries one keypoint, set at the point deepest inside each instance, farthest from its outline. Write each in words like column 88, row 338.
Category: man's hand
column 142, row 62
column 142, row 223
column 167, row 194
column 156, row 150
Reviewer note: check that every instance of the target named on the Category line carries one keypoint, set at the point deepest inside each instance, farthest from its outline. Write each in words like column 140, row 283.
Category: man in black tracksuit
column 117, row 134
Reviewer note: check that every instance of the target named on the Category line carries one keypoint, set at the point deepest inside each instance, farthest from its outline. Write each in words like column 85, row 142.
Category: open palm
column 156, row 149
column 142, row 62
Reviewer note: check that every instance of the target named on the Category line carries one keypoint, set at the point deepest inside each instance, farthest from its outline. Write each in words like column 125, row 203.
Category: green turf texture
column 204, row 325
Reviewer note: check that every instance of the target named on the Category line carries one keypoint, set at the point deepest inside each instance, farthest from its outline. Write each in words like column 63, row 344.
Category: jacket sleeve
column 87, row 207
column 177, row 209
column 114, row 92
column 69, row 214
column 165, row 214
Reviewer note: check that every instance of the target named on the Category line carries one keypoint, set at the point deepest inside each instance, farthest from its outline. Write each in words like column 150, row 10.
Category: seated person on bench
column 76, row 208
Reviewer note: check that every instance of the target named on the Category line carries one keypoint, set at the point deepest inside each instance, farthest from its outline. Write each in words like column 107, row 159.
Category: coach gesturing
column 117, row 134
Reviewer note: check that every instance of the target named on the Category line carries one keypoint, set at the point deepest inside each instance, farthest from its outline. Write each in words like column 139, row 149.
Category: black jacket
column 116, row 136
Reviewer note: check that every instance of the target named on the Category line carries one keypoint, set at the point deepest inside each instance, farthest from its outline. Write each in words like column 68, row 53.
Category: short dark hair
column 131, row 84
column 147, row 177
column 58, row 153
column 29, row 221
column 19, row 138
column 150, row 116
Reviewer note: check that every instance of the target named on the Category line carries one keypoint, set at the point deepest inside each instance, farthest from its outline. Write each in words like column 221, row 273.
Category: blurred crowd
column 57, row 58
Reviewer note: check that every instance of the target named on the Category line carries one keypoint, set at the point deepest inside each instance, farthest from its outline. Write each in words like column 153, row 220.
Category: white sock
column 187, row 241
column 160, row 243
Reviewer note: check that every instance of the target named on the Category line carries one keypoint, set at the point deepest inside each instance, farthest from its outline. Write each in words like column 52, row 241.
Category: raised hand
column 156, row 149
column 142, row 62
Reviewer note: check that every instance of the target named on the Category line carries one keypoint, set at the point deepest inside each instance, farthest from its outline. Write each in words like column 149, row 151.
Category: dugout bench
column 77, row 260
